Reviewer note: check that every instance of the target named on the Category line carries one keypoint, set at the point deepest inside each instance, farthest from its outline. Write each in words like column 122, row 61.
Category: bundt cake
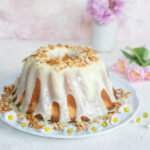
column 64, row 83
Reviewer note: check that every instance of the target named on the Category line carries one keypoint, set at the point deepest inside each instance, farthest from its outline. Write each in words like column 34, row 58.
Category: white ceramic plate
column 124, row 119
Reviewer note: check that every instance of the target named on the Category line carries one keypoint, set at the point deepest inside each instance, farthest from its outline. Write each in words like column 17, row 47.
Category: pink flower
column 136, row 74
column 147, row 74
column 105, row 11
column 121, row 66
column 117, row 6
column 99, row 10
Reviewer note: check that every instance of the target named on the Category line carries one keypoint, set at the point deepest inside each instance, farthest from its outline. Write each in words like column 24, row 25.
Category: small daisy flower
column 145, row 118
column 48, row 129
column 70, row 129
column 124, row 109
column 104, row 124
column 115, row 119
column 145, row 115
column 11, row 116
column 137, row 120
column 94, row 127
column 25, row 123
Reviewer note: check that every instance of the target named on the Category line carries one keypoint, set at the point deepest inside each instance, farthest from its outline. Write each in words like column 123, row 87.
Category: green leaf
column 141, row 53
column 131, row 57
column 140, row 56
column 131, row 61
column 145, row 54
column 147, row 63
column 137, row 56
column 137, row 61
column 128, row 55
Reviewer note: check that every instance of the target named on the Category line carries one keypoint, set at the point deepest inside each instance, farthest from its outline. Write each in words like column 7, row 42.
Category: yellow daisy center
column 145, row 115
column 10, row 117
column 69, row 131
column 47, row 129
column 23, row 124
column 126, row 109
column 94, row 129
column 104, row 124
column 115, row 120
column 138, row 120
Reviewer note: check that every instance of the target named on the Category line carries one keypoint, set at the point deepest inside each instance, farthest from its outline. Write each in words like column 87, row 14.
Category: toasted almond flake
column 25, row 59
column 117, row 104
column 120, row 91
column 108, row 116
column 82, row 124
column 89, row 47
column 57, row 125
column 51, row 46
column 69, row 46
column 79, row 129
column 80, row 47
column 59, row 45
column 96, row 120
column 31, row 118
column 8, row 89
column 127, row 94
column 83, row 57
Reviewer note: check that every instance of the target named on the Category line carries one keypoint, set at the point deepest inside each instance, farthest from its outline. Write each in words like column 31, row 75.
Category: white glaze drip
column 85, row 85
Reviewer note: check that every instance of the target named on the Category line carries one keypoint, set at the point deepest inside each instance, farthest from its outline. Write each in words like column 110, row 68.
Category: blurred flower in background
column 67, row 20
column 105, row 11
column 121, row 66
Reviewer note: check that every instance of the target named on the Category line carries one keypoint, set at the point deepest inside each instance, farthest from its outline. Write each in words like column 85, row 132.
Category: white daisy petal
column 137, row 120
column 124, row 109
column 94, row 127
column 105, row 124
column 11, row 116
column 48, row 129
column 115, row 119
column 25, row 123
column 69, row 130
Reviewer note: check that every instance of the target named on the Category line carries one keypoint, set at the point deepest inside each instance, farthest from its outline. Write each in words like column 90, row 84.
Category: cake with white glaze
column 64, row 83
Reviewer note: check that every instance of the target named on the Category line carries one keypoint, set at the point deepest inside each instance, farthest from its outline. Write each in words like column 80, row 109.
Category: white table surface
column 130, row 137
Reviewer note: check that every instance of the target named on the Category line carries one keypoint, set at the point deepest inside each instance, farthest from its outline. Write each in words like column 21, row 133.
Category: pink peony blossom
column 98, row 9
column 105, row 11
column 121, row 66
column 147, row 74
column 117, row 7
column 136, row 74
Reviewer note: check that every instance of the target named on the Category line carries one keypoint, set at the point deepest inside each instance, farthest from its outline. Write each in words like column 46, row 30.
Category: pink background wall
column 66, row 20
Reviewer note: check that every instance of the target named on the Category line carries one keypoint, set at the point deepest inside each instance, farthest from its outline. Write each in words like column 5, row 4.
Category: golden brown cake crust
column 35, row 96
